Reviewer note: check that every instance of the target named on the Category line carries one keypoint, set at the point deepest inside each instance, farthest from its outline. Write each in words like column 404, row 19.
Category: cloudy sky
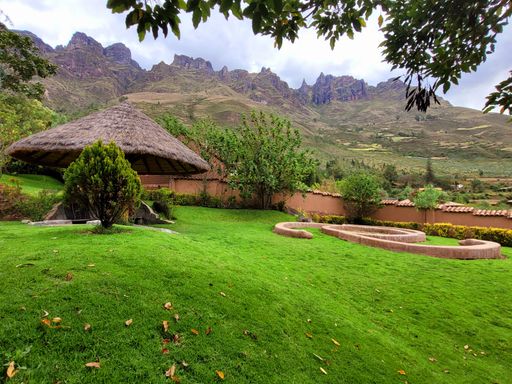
column 232, row 43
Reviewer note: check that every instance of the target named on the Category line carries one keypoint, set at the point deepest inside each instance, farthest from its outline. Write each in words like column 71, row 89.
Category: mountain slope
column 340, row 117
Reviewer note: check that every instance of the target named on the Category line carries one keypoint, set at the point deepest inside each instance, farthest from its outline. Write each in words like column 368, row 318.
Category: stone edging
column 395, row 239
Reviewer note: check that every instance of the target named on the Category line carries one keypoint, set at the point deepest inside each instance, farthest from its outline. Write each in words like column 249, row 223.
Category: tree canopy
column 103, row 182
column 259, row 159
column 361, row 193
column 432, row 41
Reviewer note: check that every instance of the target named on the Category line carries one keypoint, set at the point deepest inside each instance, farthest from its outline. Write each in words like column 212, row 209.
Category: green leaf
column 256, row 22
column 380, row 20
column 196, row 17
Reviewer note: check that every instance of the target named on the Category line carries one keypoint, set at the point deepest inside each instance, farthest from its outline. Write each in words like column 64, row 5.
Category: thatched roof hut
column 150, row 149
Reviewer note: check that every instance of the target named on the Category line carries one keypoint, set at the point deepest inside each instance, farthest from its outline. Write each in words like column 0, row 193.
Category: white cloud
column 232, row 43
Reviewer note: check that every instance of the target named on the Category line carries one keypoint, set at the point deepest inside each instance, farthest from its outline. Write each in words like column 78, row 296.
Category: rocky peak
column 81, row 41
column 224, row 73
column 191, row 63
column 328, row 88
column 121, row 54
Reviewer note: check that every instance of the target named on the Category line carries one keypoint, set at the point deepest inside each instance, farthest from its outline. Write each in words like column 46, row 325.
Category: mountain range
column 341, row 117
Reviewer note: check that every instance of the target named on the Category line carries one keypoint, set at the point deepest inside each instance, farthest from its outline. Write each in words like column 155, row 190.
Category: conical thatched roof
column 149, row 148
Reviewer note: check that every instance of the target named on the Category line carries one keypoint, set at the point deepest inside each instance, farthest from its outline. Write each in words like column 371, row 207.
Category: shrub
column 161, row 194
column 164, row 208
column 35, row 208
column 9, row 197
column 102, row 181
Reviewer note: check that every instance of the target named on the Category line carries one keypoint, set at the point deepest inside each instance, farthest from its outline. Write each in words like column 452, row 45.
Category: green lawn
column 388, row 311
column 33, row 184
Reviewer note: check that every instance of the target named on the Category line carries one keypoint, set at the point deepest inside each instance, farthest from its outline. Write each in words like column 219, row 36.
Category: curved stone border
column 395, row 239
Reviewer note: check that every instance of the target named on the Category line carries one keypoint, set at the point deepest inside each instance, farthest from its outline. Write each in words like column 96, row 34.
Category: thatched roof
column 149, row 148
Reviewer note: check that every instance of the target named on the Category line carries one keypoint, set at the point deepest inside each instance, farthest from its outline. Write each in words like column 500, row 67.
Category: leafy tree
column 429, row 172
column 501, row 98
column 436, row 39
column 20, row 63
column 103, row 182
column 269, row 158
column 217, row 145
column 20, row 117
column 428, row 198
column 261, row 158
column 405, row 193
column 477, row 186
column 361, row 193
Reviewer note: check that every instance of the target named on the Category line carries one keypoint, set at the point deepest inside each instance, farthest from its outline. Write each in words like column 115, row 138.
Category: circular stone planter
column 395, row 239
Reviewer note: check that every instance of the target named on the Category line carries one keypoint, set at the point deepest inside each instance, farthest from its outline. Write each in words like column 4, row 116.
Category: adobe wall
column 326, row 204
column 313, row 203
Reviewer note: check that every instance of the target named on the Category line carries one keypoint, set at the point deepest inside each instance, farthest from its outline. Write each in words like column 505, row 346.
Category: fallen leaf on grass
column 222, row 294
column 251, row 334
column 165, row 351
column 318, row 357
column 194, row 331
column 209, row 330
column 432, row 359
column 11, row 371
column 128, row 322
column 45, row 313
column 176, row 339
column 91, row 265
column 402, row 372
column 49, row 324
column 171, row 371
column 87, row 327
column 184, row 364
column 165, row 325
column 309, row 335
column 323, row 371
column 335, row 342
column 25, row 265
column 57, row 320
column 55, row 251
column 466, row 347
column 309, row 321
column 176, row 317
column 69, row 276
column 93, row 364
column 168, row 306
column 220, row 374
column 166, row 341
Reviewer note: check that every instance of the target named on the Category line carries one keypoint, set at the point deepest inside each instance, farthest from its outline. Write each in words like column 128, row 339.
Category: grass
column 32, row 184
column 388, row 311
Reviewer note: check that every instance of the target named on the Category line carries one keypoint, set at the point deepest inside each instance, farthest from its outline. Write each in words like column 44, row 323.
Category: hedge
column 461, row 232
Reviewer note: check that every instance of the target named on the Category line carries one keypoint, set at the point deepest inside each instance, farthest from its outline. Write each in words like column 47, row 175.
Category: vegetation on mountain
column 428, row 40
column 103, row 182
column 430, row 178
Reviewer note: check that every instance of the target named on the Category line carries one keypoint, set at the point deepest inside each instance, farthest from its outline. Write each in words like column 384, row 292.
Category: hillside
column 340, row 117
